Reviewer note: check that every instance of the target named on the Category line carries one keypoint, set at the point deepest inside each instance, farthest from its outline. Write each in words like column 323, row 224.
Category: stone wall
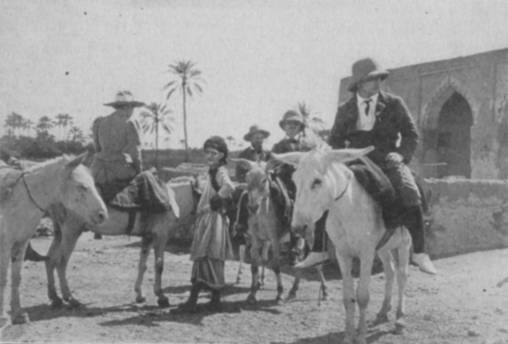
column 466, row 215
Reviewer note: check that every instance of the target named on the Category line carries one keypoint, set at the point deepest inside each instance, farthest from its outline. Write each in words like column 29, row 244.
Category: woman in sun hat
column 116, row 138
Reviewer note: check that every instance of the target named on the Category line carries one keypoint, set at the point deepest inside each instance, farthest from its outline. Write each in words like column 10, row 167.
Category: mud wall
column 466, row 215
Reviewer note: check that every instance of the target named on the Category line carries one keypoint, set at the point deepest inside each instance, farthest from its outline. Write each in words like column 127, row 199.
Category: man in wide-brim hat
column 372, row 117
column 255, row 152
column 116, row 138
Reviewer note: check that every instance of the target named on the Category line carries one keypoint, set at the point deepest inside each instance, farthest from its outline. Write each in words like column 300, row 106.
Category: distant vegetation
column 36, row 141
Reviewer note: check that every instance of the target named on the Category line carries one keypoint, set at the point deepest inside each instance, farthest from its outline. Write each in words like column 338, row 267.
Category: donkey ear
column 292, row 158
column 345, row 155
column 244, row 163
column 75, row 162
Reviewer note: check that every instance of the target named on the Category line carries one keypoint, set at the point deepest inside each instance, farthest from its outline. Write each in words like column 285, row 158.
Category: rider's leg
column 319, row 253
column 412, row 217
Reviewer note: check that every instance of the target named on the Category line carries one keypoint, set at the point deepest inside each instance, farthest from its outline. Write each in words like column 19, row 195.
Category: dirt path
column 460, row 305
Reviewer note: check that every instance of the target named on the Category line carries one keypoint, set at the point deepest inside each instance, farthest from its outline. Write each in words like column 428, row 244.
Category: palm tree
column 14, row 122
column 76, row 134
column 27, row 126
column 188, row 81
column 155, row 116
column 63, row 120
column 315, row 123
column 44, row 124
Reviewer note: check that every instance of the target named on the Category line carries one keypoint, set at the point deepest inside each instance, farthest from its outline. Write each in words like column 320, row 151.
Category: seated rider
column 375, row 118
column 254, row 152
column 293, row 125
column 116, row 138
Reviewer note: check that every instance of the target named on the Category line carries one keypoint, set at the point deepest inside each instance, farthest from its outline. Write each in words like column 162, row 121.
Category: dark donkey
column 265, row 229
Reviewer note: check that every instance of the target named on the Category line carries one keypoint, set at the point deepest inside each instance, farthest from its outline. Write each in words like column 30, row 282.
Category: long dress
column 211, row 245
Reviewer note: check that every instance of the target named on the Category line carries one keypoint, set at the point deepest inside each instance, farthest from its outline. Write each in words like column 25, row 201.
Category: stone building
column 461, row 108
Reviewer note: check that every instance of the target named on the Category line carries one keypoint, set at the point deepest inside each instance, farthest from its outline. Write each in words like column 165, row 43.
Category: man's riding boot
column 413, row 220
column 319, row 253
column 191, row 304
column 215, row 304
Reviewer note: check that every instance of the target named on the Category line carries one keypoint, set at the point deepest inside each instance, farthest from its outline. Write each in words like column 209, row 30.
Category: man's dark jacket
column 392, row 119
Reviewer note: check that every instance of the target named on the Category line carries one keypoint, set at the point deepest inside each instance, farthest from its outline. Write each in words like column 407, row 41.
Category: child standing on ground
column 211, row 245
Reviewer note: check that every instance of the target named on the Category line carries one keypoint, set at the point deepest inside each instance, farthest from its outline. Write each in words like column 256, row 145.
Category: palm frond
column 198, row 87
column 170, row 92
column 169, row 84
column 189, row 91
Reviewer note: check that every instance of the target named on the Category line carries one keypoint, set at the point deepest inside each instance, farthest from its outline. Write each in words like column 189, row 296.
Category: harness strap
column 22, row 177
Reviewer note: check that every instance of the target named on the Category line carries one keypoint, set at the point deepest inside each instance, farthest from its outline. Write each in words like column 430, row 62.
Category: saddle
column 144, row 193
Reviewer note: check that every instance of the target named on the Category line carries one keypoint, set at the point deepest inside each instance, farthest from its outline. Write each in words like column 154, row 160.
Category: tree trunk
column 157, row 141
column 185, row 122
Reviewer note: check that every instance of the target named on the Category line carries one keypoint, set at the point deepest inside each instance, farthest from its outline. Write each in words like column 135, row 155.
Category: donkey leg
column 241, row 253
column 362, row 293
column 146, row 244
column 162, row 300
column 348, row 296
column 5, row 253
column 51, row 262
column 294, row 288
column 264, row 253
column 254, row 268
column 276, row 269
column 17, row 254
column 324, row 293
column 70, row 236
column 388, row 266
column 402, row 273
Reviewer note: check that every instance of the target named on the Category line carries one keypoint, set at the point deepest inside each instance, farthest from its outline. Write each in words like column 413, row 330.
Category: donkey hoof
column 400, row 325
column 380, row 319
column 56, row 303
column 21, row 318
column 73, row 303
column 291, row 296
column 251, row 299
column 163, row 302
column 140, row 299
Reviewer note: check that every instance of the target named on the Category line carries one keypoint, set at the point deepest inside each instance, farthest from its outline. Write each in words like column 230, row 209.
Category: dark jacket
column 250, row 154
column 392, row 118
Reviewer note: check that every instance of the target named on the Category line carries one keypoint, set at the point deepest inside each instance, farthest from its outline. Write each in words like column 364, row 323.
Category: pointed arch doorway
column 453, row 137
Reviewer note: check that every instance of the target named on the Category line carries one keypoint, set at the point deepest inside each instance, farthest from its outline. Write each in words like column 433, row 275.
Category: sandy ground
column 460, row 305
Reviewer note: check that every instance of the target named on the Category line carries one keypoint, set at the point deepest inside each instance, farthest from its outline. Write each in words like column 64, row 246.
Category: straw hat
column 124, row 98
column 254, row 129
column 292, row 116
column 365, row 70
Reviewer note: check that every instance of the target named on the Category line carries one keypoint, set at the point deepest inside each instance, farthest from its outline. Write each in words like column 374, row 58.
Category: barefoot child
column 211, row 244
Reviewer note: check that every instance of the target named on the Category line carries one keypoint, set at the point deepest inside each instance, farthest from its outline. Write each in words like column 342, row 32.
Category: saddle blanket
column 146, row 193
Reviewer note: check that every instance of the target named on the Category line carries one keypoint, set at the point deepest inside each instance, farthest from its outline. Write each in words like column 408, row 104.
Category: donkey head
column 78, row 193
column 320, row 177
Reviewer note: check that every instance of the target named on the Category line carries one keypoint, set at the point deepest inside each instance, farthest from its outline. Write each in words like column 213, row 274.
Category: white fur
column 355, row 227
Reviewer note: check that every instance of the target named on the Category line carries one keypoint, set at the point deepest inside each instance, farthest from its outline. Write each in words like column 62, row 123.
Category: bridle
column 343, row 191
column 27, row 189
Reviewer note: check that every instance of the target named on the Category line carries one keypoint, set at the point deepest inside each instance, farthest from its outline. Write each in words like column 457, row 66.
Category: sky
column 258, row 58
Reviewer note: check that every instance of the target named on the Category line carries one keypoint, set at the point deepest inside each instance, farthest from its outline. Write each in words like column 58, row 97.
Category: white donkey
column 26, row 196
column 155, row 230
column 354, row 225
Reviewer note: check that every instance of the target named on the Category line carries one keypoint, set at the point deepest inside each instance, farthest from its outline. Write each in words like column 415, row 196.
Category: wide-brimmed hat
column 365, row 70
column 291, row 116
column 254, row 129
column 124, row 98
